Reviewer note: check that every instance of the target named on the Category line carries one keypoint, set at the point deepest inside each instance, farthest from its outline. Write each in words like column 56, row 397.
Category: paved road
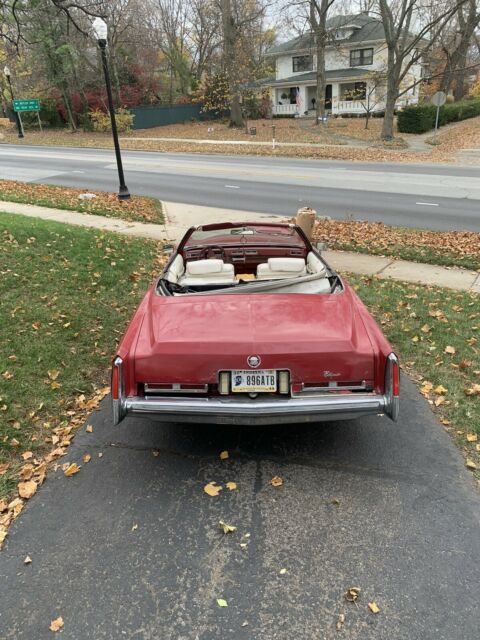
column 406, row 531
column 430, row 196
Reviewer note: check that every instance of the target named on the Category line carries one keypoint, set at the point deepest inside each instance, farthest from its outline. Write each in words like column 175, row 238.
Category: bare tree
column 404, row 48
column 456, row 44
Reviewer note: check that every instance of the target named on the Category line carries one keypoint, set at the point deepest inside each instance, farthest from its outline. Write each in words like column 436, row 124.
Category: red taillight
column 395, row 380
column 115, row 382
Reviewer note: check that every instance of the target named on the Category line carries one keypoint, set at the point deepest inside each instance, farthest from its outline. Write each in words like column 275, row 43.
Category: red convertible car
column 247, row 324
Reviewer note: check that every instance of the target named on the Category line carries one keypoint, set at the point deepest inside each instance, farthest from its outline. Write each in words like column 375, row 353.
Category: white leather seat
column 211, row 271
column 278, row 268
column 315, row 265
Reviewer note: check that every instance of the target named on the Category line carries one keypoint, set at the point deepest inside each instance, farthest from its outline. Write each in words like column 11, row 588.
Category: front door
column 328, row 97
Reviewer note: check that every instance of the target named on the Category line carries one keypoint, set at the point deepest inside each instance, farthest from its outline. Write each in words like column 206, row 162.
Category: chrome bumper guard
column 256, row 411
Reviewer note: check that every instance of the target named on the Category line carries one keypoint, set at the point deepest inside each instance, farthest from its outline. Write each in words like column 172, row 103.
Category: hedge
column 421, row 118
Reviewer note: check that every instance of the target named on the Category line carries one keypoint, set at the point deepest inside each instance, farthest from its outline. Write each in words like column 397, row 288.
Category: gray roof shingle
column 367, row 28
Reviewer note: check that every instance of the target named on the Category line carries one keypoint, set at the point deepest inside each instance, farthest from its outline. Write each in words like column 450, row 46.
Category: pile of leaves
column 435, row 332
column 136, row 209
column 450, row 248
column 67, row 294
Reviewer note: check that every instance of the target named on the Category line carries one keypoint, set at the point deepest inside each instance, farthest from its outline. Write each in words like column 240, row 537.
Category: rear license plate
column 263, row 380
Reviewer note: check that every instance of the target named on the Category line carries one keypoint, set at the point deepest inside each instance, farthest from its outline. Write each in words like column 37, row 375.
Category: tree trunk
column 318, row 22
column 392, row 95
column 229, row 49
column 68, row 108
column 459, row 89
column 387, row 129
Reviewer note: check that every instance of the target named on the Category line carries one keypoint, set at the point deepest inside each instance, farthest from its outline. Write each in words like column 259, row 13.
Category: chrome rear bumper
column 255, row 412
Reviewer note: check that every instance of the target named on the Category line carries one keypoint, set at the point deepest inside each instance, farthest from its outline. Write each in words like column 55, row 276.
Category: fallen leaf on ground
column 27, row 560
column 72, row 469
column 156, row 454
column 340, row 621
column 222, row 603
column 470, row 464
column 374, row 608
column 276, row 481
column 212, row 489
column 4, row 468
column 227, row 528
column 26, row 472
column 438, row 401
column 426, row 328
column 472, row 437
column 335, row 501
column 282, row 572
column 56, row 624
column 440, row 390
column 231, row 486
column 352, row 594
column 474, row 390
column 223, row 455
column 27, row 455
column 53, row 374
column 135, row 527
column 87, row 457
column 89, row 428
column 27, row 489
column 450, row 350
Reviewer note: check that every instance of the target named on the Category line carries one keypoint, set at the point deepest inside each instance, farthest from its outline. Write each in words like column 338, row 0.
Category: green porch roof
column 310, row 76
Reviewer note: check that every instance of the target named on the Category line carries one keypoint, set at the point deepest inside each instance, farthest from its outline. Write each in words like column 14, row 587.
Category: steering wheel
column 209, row 252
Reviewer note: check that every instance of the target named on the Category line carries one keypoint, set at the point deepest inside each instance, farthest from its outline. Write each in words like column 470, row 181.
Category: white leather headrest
column 200, row 267
column 286, row 264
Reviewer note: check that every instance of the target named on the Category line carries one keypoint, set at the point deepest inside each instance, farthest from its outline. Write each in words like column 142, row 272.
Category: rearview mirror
column 321, row 246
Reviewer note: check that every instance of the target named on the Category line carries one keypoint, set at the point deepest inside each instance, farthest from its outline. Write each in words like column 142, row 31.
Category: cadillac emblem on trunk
column 253, row 361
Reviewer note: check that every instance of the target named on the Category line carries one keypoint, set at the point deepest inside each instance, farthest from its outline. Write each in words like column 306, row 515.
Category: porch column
column 303, row 99
column 335, row 96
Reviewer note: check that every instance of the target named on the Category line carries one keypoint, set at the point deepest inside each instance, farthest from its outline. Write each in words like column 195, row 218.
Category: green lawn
column 67, row 294
column 437, row 335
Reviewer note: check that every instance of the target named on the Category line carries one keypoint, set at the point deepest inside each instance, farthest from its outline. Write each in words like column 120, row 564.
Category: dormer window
column 302, row 63
column 361, row 57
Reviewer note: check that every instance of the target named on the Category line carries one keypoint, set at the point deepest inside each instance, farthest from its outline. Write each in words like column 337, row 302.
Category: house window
column 353, row 91
column 302, row 63
column 360, row 57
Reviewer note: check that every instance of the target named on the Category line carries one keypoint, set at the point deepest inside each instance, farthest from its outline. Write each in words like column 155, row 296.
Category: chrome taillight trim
column 392, row 403
column 175, row 388
column 118, row 404
column 334, row 387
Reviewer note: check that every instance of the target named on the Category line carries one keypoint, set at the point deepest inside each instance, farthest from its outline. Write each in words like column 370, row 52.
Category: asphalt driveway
column 130, row 546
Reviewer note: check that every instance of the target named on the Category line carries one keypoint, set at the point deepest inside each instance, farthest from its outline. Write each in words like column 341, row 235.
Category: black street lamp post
column 101, row 30
column 8, row 76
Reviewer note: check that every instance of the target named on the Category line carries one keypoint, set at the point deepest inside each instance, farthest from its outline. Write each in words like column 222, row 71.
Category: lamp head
column 100, row 29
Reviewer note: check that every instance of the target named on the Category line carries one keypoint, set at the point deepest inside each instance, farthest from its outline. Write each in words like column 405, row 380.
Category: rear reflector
column 224, row 383
column 395, row 379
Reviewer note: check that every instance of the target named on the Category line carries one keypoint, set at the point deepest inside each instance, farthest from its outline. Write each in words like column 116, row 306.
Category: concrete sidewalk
column 178, row 217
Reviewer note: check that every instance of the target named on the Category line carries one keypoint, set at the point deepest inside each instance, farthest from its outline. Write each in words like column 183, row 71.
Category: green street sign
column 26, row 105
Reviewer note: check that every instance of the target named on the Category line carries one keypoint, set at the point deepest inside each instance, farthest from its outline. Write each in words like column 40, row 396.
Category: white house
column 355, row 61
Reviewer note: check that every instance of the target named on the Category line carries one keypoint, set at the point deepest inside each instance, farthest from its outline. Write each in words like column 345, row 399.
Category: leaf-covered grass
column 136, row 209
column 436, row 333
column 67, row 294
column 448, row 248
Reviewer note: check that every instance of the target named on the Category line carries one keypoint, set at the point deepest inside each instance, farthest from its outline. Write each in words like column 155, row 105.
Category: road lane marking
column 428, row 204
column 231, row 186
